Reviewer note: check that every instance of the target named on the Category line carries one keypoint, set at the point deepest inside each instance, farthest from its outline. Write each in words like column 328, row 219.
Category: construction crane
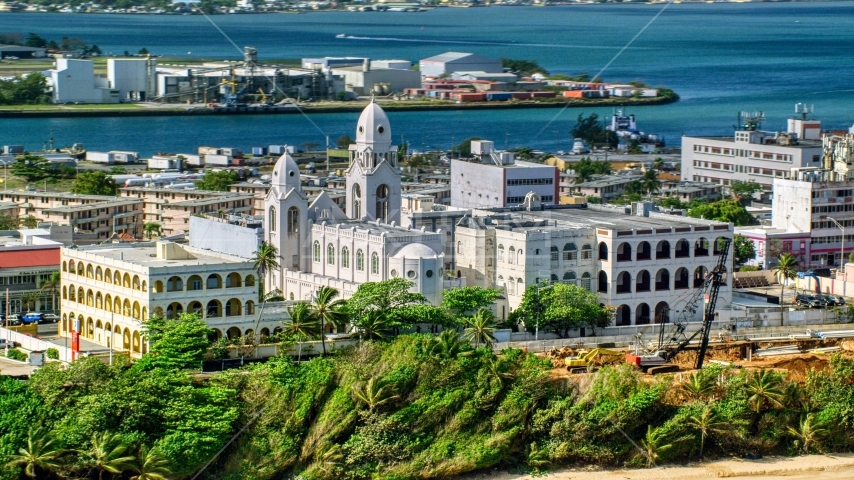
column 677, row 340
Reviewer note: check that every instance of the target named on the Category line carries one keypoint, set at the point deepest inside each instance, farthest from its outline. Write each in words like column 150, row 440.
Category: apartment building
column 172, row 208
column 94, row 217
column 752, row 155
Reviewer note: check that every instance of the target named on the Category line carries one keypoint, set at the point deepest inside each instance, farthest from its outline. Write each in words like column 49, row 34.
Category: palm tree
column 327, row 309
column 150, row 465
column 786, row 269
column 303, row 325
column 448, row 345
column 327, row 458
column 42, row 452
column 373, row 394
column 29, row 300
column 151, row 229
column 51, row 285
column 654, row 444
column 374, row 324
column 764, row 387
column 809, row 431
column 705, row 423
column 658, row 163
column 537, row 457
column 109, row 454
column 266, row 258
column 650, row 182
column 698, row 386
column 480, row 328
column 274, row 295
column 583, row 176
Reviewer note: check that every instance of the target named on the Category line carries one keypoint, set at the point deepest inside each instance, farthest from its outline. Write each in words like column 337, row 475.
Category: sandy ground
column 813, row 467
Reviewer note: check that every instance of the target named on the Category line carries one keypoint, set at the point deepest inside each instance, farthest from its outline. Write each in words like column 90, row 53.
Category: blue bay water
column 721, row 58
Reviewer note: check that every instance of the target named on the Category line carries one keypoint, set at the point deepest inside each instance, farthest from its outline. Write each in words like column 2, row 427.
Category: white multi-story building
column 496, row 179
column 75, row 81
column 109, row 290
column 812, row 216
column 642, row 262
column 752, row 155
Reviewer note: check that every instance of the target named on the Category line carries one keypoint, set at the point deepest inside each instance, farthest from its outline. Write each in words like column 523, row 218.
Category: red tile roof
column 43, row 257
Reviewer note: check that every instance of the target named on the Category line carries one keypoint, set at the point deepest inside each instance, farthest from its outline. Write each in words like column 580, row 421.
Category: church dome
column 415, row 250
column 286, row 172
column 373, row 128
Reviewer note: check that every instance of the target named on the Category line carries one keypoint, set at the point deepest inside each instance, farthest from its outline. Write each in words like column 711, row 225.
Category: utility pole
column 327, row 155
column 7, row 323
column 112, row 327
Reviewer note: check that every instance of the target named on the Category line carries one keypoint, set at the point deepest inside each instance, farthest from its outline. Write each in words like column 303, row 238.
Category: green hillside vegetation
column 414, row 406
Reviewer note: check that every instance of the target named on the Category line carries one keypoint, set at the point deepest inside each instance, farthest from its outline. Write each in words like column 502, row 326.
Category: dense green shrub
column 52, row 353
column 16, row 354
column 407, row 409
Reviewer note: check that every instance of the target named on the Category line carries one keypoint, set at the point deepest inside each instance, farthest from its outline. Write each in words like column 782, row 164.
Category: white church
column 319, row 244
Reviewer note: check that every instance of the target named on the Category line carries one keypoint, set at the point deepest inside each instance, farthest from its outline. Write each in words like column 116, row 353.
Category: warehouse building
column 20, row 51
column 451, row 62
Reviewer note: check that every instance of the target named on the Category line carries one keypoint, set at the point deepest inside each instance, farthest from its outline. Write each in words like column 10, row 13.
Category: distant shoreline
column 58, row 112
column 433, row 7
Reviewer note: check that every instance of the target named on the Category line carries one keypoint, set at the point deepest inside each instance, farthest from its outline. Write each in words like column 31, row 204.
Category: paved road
column 9, row 367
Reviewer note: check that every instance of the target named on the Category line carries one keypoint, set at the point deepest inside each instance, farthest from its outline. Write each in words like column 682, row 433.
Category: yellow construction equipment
column 77, row 151
column 592, row 358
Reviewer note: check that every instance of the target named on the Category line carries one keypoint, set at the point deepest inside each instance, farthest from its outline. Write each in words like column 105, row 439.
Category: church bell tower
column 373, row 178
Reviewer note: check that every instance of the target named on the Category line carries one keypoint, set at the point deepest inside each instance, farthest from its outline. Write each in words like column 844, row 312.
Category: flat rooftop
column 33, row 193
column 379, row 229
column 801, row 142
column 145, row 254
column 611, row 219
column 116, row 202
column 609, row 181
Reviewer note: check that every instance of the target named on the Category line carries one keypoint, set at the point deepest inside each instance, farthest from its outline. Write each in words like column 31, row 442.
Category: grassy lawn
column 104, row 106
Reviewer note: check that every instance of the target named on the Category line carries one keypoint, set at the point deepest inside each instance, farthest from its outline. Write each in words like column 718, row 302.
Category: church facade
column 321, row 245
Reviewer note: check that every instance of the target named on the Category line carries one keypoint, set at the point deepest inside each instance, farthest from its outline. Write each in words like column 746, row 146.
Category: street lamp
column 841, row 250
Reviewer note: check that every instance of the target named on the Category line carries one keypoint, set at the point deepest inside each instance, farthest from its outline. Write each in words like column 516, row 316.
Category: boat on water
column 625, row 126
column 341, row 35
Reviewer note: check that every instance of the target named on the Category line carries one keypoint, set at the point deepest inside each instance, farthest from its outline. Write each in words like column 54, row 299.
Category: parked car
column 8, row 344
column 808, row 300
column 33, row 317
column 839, row 300
column 49, row 318
column 14, row 320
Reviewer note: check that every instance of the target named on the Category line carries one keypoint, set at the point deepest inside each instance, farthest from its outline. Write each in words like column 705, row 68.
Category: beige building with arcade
column 111, row 289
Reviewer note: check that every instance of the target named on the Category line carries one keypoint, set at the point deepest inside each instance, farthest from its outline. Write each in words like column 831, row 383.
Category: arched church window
column 316, row 251
column 293, row 220
column 360, row 260
column 382, row 203
column 272, row 219
column 345, row 257
column 330, row 254
column 375, row 263
column 357, row 201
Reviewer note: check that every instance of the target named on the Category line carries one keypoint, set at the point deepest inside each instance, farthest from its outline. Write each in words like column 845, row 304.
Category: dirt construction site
column 795, row 356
